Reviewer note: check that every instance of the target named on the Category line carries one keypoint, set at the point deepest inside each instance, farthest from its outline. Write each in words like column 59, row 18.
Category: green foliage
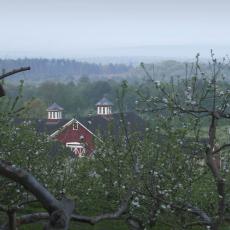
column 23, row 146
column 163, row 168
column 76, row 98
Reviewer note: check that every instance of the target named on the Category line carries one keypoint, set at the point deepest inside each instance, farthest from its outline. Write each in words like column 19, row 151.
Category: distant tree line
column 65, row 70
column 61, row 69
column 77, row 99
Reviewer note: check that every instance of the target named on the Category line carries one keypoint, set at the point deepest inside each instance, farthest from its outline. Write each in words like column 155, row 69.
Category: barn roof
column 98, row 125
column 49, row 127
column 102, row 125
column 104, row 101
column 54, row 107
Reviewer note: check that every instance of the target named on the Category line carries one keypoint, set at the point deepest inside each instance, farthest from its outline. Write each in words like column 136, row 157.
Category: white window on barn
column 75, row 126
column 77, row 148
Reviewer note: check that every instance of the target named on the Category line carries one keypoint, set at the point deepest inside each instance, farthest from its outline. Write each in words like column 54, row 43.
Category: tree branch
column 35, row 217
column 93, row 220
column 205, row 219
column 22, row 69
column 221, row 148
column 22, row 177
column 32, row 218
column 4, row 75
column 59, row 211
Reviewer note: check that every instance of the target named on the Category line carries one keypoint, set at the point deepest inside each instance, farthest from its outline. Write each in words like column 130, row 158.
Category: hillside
column 62, row 69
column 66, row 70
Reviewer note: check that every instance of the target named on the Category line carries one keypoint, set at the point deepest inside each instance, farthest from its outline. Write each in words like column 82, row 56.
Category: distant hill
column 64, row 70
column 61, row 69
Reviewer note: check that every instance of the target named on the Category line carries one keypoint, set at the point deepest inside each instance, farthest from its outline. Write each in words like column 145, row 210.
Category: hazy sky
column 80, row 28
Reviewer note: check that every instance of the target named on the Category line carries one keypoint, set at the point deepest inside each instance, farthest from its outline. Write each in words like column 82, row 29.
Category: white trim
column 74, row 144
column 69, row 123
column 57, row 131
column 77, row 147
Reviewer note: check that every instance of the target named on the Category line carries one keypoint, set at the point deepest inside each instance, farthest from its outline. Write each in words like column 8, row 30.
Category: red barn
column 79, row 134
column 75, row 136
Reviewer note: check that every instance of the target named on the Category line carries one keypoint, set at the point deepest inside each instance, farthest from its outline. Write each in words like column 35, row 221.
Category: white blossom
column 158, row 83
column 165, row 100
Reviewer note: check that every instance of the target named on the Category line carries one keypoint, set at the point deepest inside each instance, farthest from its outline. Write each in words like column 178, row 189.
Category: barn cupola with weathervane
column 54, row 112
column 104, row 106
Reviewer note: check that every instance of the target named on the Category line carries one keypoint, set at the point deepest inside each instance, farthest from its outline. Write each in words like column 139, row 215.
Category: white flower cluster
column 157, row 83
column 135, row 202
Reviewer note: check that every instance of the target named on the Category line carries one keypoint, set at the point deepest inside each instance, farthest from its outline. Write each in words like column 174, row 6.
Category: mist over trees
column 78, row 97
column 62, row 69
column 65, row 70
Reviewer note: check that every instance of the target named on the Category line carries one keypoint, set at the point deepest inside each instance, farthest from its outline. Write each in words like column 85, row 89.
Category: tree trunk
column 59, row 219
column 12, row 220
column 134, row 224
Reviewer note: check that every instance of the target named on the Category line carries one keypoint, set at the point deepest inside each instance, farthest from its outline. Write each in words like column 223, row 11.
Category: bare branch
column 93, row 220
column 135, row 223
column 59, row 219
column 22, row 177
column 32, row 218
column 203, row 216
column 60, row 211
column 35, row 217
column 221, row 148
column 22, row 69
column 195, row 224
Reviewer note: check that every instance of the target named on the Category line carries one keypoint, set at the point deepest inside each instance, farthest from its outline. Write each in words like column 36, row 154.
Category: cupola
column 54, row 112
column 104, row 107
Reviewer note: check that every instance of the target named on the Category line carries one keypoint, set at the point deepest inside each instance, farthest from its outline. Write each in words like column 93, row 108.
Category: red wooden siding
column 71, row 135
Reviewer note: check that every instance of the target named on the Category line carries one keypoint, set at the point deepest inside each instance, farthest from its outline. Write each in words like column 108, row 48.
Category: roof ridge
column 104, row 101
column 55, row 107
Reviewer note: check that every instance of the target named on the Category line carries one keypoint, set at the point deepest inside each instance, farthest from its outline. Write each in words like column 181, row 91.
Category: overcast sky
column 84, row 28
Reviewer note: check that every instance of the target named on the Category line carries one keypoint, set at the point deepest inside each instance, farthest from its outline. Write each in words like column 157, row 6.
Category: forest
column 77, row 99
column 176, row 176
column 66, row 70
column 62, row 69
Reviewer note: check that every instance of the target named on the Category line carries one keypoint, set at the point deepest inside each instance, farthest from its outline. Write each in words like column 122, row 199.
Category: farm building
column 79, row 133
